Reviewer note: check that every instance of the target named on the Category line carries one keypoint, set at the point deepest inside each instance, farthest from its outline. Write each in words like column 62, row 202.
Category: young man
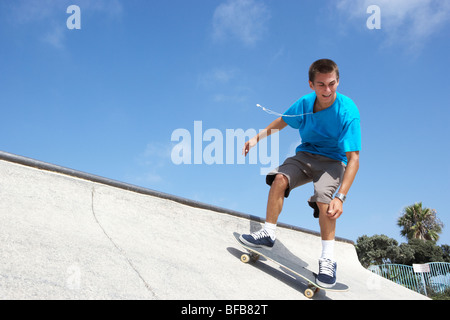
column 329, row 126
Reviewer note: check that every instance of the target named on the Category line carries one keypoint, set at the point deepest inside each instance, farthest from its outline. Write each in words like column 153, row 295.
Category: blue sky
column 106, row 98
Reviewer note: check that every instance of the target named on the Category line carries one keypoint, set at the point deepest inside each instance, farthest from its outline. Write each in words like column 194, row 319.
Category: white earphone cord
column 281, row 115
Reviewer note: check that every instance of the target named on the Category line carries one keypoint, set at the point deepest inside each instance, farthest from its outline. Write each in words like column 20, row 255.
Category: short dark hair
column 323, row 66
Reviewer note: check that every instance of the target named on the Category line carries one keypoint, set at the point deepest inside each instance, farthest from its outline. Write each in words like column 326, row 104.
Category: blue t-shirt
column 331, row 132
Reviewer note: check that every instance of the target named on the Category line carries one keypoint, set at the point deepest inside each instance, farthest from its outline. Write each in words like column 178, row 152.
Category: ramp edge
column 29, row 162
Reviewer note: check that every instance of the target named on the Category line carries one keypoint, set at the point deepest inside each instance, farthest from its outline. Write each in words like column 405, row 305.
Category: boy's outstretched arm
column 276, row 125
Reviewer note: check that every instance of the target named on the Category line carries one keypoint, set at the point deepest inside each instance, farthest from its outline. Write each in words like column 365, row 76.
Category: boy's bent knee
column 280, row 181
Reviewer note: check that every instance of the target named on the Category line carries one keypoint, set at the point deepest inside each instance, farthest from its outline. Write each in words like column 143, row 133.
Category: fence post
column 422, row 268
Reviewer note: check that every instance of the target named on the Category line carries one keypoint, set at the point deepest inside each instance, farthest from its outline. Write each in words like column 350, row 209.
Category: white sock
column 271, row 229
column 327, row 249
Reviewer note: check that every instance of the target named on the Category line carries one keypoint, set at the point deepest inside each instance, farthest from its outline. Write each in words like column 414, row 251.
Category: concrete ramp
column 70, row 235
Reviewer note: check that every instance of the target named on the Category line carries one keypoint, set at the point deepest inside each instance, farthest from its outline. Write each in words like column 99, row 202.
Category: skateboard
column 309, row 276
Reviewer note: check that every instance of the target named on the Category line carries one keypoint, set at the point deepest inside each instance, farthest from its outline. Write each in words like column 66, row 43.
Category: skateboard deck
column 309, row 276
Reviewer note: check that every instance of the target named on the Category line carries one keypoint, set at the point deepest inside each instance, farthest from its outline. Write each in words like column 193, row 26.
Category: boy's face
column 325, row 85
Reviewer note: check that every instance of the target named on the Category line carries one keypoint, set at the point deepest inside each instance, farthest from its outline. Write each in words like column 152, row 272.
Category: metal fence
column 427, row 279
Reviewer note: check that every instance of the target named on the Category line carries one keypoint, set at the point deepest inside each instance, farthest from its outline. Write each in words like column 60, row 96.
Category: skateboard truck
column 249, row 257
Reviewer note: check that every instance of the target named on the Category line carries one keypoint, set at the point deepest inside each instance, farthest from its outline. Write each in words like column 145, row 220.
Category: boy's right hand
column 248, row 145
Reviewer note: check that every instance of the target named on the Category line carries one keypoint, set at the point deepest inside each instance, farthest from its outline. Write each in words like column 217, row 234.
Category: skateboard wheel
column 245, row 258
column 309, row 293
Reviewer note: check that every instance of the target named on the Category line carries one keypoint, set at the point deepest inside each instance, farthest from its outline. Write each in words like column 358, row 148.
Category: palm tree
column 420, row 223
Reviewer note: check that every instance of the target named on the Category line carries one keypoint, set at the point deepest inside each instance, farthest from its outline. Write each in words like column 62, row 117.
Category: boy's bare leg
column 327, row 264
column 276, row 198
column 327, row 225
column 266, row 237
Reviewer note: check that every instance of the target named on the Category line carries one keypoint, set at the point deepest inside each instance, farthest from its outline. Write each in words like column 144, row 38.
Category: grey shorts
column 304, row 167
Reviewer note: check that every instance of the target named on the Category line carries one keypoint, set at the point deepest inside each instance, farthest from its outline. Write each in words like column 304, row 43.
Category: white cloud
column 217, row 76
column 110, row 8
column 244, row 20
column 55, row 37
column 153, row 162
column 226, row 85
column 406, row 22
column 233, row 98
column 156, row 155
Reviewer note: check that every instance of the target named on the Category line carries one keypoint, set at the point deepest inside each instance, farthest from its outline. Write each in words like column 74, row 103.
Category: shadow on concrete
column 285, row 276
column 284, row 256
